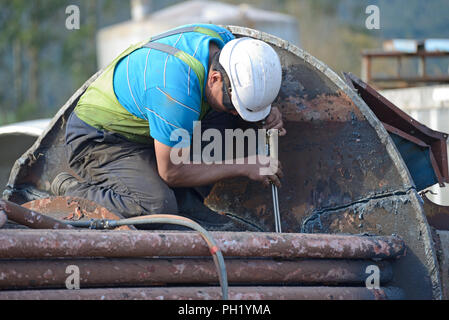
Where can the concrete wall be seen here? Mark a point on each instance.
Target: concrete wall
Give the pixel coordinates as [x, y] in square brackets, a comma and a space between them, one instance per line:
[430, 106]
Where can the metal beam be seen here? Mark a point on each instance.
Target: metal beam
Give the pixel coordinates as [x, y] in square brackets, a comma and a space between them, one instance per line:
[30, 218]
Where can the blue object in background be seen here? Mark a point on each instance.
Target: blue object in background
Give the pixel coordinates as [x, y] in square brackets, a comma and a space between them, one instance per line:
[417, 160]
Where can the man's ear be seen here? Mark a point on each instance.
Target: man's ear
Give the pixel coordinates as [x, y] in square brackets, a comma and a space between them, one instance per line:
[214, 76]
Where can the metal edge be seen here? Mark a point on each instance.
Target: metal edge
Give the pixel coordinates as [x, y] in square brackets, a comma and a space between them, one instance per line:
[430, 253]
[438, 137]
[23, 160]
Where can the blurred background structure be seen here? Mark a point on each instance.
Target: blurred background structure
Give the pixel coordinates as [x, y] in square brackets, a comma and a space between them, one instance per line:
[146, 22]
[414, 74]
[42, 62]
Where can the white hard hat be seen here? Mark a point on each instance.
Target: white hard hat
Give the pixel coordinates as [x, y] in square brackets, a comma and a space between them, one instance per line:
[255, 74]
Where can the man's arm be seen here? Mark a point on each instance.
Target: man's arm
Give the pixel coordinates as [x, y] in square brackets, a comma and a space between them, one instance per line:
[193, 175]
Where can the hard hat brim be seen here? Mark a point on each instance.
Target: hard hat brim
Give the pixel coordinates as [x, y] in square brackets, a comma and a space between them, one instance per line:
[248, 115]
[252, 116]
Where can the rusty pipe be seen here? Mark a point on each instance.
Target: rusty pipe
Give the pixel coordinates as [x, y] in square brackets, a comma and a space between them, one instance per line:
[27, 274]
[90, 243]
[209, 293]
[30, 218]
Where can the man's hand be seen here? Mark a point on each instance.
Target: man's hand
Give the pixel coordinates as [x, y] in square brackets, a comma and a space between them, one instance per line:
[193, 175]
[254, 168]
[274, 121]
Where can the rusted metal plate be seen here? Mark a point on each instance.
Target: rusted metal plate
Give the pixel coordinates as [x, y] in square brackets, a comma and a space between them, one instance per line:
[28, 274]
[72, 208]
[210, 293]
[437, 215]
[15, 244]
[337, 157]
[50, 213]
[402, 124]
[332, 156]
[30, 218]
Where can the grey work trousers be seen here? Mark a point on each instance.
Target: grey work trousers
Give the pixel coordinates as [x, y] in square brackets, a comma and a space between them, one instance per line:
[122, 175]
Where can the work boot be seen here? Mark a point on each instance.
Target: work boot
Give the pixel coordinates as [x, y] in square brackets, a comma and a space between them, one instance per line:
[62, 182]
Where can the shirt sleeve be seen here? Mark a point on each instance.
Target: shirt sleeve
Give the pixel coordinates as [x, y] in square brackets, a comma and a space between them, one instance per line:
[171, 115]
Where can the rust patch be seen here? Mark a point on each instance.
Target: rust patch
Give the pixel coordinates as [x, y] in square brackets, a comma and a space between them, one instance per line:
[72, 208]
[324, 107]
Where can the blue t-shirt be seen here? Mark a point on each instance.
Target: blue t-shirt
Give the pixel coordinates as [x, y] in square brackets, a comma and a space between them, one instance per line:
[161, 88]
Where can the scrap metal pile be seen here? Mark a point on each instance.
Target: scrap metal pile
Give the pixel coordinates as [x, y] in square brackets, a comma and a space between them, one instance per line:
[349, 204]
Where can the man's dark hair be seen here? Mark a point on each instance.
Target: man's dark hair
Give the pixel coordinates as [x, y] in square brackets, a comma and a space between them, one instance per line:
[216, 66]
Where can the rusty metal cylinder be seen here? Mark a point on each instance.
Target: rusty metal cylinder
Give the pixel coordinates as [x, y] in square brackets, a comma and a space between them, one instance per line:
[89, 243]
[27, 274]
[209, 293]
[30, 218]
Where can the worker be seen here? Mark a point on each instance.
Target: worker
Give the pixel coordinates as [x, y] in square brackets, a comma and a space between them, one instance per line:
[119, 137]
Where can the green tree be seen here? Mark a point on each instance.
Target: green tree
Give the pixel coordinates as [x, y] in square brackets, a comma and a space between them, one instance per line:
[26, 31]
[42, 62]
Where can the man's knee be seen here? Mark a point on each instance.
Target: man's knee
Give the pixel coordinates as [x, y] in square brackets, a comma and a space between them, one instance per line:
[129, 205]
[161, 201]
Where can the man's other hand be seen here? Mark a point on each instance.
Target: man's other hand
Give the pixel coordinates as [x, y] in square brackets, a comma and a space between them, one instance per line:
[274, 121]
